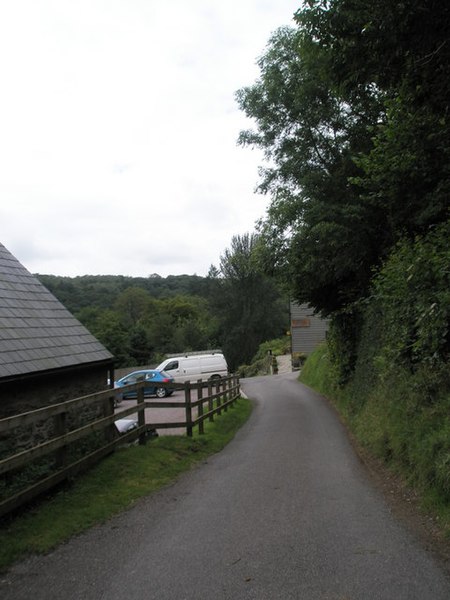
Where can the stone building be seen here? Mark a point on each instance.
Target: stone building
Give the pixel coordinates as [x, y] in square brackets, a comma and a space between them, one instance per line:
[46, 355]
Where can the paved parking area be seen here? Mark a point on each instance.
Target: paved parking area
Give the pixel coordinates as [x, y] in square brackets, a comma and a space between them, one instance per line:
[161, 415]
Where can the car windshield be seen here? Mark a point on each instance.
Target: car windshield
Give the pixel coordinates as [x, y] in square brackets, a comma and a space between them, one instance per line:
[172, 365]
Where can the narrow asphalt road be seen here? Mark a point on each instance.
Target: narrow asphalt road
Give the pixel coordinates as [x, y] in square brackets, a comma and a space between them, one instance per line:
[286, 511]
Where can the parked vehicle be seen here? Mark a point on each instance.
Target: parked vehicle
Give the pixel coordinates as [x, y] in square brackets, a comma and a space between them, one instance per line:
[152, 377]
[125, 425]
[194, 367]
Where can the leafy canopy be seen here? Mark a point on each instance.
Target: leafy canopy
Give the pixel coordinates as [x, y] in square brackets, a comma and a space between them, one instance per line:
[351, 112]
[248, 305]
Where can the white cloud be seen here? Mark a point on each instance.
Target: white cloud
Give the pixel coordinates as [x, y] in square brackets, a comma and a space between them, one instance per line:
[118, 131]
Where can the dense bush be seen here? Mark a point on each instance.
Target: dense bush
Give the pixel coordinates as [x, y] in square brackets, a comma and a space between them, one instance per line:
[262, 361]
[413, 290]
[258, 367]
[276, 347]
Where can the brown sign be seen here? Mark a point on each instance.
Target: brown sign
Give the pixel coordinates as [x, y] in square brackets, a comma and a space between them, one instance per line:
[301, 323]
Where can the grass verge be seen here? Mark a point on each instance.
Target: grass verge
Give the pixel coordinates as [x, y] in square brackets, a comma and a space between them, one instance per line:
[395, 423]
[112, 486]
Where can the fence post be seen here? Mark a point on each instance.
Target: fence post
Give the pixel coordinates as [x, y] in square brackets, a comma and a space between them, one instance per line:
[187, 400]
[219, 410]
[225, 394]
[210, 401]
[201, 428]
[141, 414]
[232, 392]
[237, 383]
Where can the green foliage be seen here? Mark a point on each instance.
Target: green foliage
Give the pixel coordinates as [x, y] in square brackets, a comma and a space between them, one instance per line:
[180, 324]
[17, 481]
[248, 305]
[406, 320]
[406, 174]
[384, 43]
[298, 359]
[351, 109]
[276, 347]
[263, 360]
[256, 368]
[343, 340]
[132, 305]
[404, 428]
[413, 289]
[139, 328]
[393, 419]
[140, 320]
[106, 325]
[316, 229]
[320, 373]
[140, 346]
[102, 291]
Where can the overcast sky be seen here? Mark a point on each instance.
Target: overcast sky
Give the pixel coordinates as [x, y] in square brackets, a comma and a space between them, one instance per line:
[118, 129]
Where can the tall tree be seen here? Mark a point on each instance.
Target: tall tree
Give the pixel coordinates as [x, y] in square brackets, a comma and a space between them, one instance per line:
[132, 305]
[310, 134]
[351, 109]
[247, 303]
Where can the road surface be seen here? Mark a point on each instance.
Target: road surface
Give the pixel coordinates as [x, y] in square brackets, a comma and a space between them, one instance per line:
[285, 512]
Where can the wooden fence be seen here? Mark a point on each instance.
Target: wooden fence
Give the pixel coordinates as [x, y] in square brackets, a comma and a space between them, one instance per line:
[212, 397]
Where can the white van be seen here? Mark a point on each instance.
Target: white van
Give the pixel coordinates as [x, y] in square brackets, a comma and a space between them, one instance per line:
[194, 367]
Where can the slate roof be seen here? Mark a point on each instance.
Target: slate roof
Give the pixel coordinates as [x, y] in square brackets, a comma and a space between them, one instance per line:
[37, 333]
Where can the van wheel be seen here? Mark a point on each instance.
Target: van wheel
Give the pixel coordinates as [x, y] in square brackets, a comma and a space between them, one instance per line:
[215, 377]
[161, 392]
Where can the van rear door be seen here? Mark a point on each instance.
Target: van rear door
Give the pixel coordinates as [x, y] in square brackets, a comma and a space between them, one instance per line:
[214, 366]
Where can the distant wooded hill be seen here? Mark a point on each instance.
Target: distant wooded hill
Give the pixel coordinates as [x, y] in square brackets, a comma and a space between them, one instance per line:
[101, 291]
[140, 319]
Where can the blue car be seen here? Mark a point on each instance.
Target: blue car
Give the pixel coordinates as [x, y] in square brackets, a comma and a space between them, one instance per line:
[152, 378]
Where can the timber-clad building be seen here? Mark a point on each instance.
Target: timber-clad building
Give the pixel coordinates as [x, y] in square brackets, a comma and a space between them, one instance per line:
[308, 330]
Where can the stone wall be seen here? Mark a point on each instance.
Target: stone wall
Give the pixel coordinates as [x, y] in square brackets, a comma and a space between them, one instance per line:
[33, 393]
[23, 395]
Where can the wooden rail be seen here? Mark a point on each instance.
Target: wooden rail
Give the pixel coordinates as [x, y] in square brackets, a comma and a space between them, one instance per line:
[220, 395]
